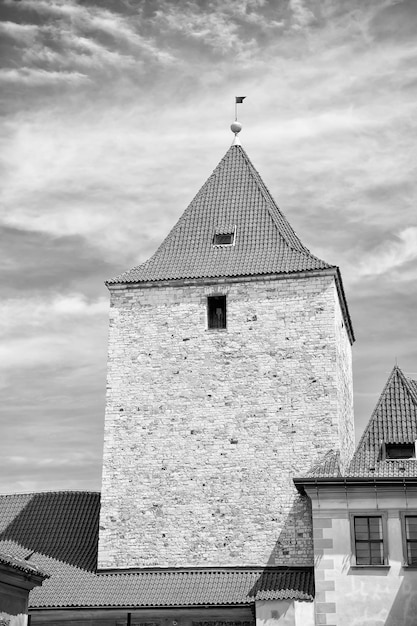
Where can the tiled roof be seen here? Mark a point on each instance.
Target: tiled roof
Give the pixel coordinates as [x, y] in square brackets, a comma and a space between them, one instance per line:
[328, 466]
[394, 420]
[21, 565]
[61, 530]
[233, 200]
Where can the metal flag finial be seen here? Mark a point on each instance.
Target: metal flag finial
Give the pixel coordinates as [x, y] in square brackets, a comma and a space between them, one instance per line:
[236, 127]
[238, 100]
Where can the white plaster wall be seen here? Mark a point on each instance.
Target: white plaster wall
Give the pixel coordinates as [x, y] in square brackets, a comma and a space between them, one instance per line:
[13, 620]
[365, 596]
[284, 613]
[275, 613]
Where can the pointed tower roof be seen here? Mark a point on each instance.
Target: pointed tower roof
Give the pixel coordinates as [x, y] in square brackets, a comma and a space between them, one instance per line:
[394, 421]
[234, 200]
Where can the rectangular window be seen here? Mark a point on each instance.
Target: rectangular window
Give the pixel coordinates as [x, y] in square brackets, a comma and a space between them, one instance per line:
[369, 539]
[409, 536]
[216, 311]
[223, 239]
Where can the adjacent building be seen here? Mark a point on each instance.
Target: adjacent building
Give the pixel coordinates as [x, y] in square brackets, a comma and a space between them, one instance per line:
[17, 579]
[365, 519]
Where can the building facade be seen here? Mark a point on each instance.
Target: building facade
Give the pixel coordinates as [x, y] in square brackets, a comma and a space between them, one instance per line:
[229, 371]
[365, 519]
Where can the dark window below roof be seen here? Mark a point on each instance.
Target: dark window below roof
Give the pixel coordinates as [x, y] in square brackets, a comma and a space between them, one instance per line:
[224, 239]
[216, 311]
[400, 451]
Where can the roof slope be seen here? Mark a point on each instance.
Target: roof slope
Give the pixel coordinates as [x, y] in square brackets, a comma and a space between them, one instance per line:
[59, 532]
[394, 420]
[328, 466]
[234, 199]
[20, 565]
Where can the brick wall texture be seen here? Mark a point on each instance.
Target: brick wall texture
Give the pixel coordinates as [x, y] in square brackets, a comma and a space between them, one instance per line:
[205, 429]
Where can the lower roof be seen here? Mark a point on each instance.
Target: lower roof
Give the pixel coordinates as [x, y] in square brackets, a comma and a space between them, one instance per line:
[58, 531]
[22, 566]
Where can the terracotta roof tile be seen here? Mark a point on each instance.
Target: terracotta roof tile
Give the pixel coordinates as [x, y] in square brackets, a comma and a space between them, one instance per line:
[61, 528]
[393, 421]
[328, 466]
[21, 565]
[234, 199]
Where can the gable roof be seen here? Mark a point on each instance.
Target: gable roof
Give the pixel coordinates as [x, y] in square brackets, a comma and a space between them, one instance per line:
[59, 532]
[233, 200]
[394, 420]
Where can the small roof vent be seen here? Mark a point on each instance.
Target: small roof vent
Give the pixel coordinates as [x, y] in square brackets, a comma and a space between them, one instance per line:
[224, 239]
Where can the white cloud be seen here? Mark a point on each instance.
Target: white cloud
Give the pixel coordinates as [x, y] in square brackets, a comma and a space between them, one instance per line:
[392, 254]
[21, 32]
[34, 77]
[302, 17]
[40, 311]
[90, 20]
[76, 51]
[60, 331]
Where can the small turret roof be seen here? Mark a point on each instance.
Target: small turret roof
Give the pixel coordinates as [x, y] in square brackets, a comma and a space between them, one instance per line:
[394, 421]
[234, 200]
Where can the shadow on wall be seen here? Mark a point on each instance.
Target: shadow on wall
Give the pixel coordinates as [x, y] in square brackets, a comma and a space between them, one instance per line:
[63, 526]
[403, 611]
[294, 545]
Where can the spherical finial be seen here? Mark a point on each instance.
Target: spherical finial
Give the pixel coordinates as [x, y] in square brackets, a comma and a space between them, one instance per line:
[236, 127]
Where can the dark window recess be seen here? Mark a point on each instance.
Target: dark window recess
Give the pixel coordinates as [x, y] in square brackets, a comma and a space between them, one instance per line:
[369, 545]
[399, 451]
[216, 306]
[225, 239]
[411, 539]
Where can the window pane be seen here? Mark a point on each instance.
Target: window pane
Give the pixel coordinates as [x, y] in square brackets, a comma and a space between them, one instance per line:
[412, 554]
[375, 525]
[377, 556]
[375, 535]
[361, 522]
[362, 550]
[411, 527]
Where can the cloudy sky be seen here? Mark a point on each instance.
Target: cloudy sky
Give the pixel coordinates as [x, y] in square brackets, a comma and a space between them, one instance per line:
[115, 112]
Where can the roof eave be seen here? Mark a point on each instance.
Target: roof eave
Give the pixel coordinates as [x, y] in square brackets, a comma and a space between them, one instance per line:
[300, 482]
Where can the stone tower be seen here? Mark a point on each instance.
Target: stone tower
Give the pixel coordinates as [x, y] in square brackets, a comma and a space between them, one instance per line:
[229, 372]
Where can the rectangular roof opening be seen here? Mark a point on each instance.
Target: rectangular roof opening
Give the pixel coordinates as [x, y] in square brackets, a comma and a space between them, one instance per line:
[399, 451]
[223, 239]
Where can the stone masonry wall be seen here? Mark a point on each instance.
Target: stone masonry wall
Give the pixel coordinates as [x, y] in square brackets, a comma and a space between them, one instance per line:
[206, 428]
[344, 378]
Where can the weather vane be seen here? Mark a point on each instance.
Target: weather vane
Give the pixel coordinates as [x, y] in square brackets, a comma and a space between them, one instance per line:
[236, 127]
